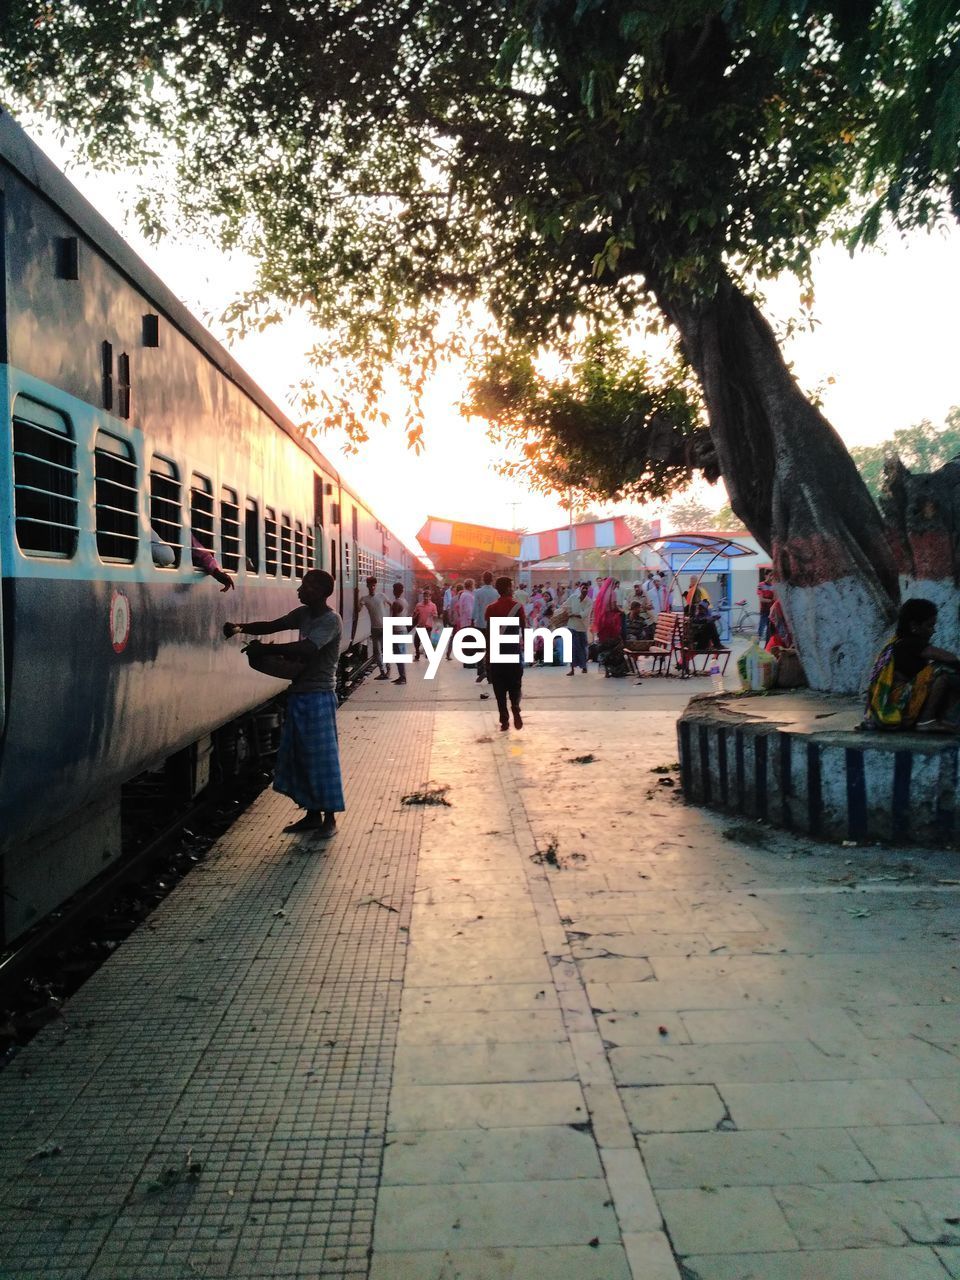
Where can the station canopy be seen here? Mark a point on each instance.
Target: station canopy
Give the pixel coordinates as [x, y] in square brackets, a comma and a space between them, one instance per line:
[468, 549]
[694, 553]
[456, 547]
[713, 544]
[592, 535]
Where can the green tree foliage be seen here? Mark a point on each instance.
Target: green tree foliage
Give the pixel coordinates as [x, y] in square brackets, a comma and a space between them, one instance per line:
[691, 516]
[412, 170]
[922, 447]
[726, 520]
[610, 426]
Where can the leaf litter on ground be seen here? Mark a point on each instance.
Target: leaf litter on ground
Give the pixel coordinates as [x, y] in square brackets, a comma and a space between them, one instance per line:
[428, 795]
[550, 856]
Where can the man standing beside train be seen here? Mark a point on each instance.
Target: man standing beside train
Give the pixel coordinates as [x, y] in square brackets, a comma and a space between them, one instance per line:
[375, 603]
[308, 758]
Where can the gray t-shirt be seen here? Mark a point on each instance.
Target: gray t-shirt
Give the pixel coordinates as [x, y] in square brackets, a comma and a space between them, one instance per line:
[325, 630]
[376, 605]
[482, 597]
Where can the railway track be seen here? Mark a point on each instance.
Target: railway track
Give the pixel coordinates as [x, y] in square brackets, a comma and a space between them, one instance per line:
[43, 967]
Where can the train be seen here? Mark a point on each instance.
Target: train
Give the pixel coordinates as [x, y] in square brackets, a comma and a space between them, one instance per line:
[127, 427]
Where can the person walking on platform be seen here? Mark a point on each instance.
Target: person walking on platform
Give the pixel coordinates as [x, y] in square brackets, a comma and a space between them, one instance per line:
[507, 677]
[399, 609]
[308, 758]
[463, 606]
[484, 595]
[375, 603]
[578, 610]
[424, 615]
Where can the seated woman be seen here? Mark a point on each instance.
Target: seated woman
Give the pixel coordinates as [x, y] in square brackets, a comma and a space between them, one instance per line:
[778, 630]
[913, 684]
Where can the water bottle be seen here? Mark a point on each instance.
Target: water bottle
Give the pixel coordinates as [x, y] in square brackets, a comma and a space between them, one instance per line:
[716, 679]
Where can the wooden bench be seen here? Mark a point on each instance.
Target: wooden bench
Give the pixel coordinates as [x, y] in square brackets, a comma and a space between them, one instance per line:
[667, 644]
[672, 649]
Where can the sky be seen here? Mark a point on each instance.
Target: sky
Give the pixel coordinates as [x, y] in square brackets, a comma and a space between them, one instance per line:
[883, 354]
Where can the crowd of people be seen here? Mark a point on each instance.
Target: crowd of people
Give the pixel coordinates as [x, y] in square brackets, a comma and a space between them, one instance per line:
[913, 685]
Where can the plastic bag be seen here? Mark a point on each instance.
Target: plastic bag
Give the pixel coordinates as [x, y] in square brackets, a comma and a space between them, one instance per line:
[757, 668]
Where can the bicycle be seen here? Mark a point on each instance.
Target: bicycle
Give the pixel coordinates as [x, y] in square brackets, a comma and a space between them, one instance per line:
[746, 622]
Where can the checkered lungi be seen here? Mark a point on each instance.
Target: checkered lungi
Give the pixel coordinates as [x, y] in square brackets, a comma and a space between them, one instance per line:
[308, 758]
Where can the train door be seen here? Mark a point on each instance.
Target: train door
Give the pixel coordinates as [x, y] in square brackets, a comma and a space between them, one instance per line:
[335, 540]
[321, 551]
[351, 572]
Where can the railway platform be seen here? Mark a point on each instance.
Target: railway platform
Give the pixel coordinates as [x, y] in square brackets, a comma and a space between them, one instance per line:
[560, 1027]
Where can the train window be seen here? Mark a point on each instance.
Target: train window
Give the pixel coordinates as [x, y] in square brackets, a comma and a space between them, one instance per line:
[298, 549]
[311, 550]
[166, 507]
[123, 386]
[346, 559]
[252, 530]
[286, 547]
[270, 540]
[67, 252]
[229, 529]
[333, 558]
[201, 511]
[44, 480]
[116, 498]
[150, 332]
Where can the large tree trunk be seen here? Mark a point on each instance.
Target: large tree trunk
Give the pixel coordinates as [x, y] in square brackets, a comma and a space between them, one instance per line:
[796, 488]
[922, 513]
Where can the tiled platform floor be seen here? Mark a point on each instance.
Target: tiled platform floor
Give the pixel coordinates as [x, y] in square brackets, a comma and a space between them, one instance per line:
[563, 1029]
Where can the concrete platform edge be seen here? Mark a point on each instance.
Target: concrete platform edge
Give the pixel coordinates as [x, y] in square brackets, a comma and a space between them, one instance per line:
[834, 785]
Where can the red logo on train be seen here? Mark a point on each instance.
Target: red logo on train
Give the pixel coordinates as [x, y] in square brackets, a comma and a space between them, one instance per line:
[119, 621]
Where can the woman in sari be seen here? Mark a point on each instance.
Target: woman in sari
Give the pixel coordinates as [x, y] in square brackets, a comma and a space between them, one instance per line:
[913, 684]
[778, 630]
[608, 627]
[535, 607]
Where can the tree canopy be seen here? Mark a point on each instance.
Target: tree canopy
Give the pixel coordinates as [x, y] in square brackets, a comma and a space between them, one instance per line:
[407, 169]
[495, 178]
[922, 447]
[691, 515]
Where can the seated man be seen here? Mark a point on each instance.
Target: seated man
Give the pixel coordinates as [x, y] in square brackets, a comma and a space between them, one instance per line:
[703, 626]
[913, 684]
[638, 627]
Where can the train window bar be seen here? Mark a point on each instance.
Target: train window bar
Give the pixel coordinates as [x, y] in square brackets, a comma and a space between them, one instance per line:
[201, 511]
[270, 540]
[298, 546]
[166, 513]
[116, 499]
[123, 386]
[44, 481]
[229, 529]
[106, 373]
[286, 539]
[252, 536]
[311, 549]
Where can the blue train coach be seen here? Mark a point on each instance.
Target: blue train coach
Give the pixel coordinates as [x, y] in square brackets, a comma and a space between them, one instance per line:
[126, 426]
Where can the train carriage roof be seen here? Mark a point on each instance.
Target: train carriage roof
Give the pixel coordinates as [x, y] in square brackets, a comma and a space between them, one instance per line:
[26, 158]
